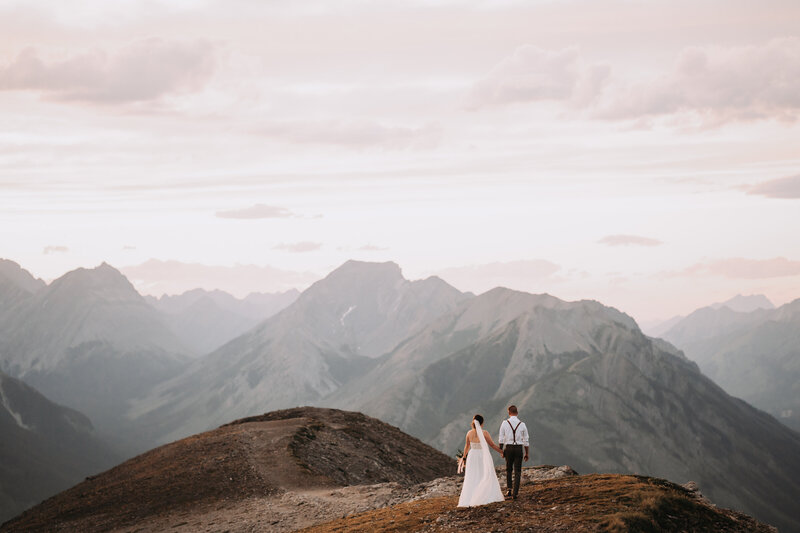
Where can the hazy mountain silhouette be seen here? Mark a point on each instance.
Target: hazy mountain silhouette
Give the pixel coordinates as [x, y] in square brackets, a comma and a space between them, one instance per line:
[205, 320]
[89, 341]
[752, 355]
[329, 335]
[44, 447]
[745, 304]
[16, 286]
[739, 303]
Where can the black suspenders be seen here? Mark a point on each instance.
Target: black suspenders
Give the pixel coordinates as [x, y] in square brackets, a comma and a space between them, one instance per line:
[513, 430]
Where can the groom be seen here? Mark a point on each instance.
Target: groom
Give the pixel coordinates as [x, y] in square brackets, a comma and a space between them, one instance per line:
[513, 438]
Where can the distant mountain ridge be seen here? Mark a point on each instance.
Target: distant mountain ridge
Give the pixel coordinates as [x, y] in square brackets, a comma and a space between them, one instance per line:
[739, 303]
[205, 320]
[745, 304]
[90, 341]
[11, 274]
[754, 355]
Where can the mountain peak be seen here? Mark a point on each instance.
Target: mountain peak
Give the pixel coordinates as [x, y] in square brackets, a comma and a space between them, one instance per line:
[18, 276]
[745, 304]
[352, 266]
[358, 277]
[103, 276]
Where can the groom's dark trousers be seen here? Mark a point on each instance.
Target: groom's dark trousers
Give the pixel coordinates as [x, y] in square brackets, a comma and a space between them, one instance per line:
[513, 454]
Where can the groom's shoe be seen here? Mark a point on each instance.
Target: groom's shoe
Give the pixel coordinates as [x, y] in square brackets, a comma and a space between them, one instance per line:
[508, 493]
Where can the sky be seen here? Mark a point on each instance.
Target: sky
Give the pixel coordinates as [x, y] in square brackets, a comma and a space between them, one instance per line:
[643, 153]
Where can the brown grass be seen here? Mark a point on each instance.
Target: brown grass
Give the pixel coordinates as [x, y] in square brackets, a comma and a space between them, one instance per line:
[598, 502]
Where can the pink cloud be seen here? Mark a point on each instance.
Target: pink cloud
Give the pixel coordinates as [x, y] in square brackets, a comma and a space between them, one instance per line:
[720, 84]
[257, 211]
[142, 71]
[741, 268]
[533, 74]
[298, 247]
[354, 133]
[788, 187]
[55, 250]
[629, 240]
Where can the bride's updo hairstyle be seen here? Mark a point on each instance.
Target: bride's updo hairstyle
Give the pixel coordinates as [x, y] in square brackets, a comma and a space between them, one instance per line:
[479, 418]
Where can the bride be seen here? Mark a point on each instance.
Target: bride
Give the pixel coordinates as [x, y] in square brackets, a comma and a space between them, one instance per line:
[480, 480]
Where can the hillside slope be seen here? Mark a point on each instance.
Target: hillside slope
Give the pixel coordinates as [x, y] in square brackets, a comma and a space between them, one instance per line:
[302, 449]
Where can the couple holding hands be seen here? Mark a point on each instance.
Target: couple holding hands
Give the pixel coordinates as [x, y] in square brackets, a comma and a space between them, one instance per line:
[480, 480]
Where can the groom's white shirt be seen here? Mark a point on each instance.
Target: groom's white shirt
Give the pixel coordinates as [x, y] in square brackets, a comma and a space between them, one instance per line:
[507, 436]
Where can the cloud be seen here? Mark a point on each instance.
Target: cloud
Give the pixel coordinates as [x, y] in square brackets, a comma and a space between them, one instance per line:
[144, 70]
[740, 268]
[298, 247]
[788, 187]
[354, 133]
[713, 83]
[55, 250]
[372, 248]
[629, 240]
[534, 74]
[720, 84]
[523, 275]
[257, 211]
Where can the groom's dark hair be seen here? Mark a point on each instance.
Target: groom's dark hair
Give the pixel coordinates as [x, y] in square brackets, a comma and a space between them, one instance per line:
[512, 409]
[479, 418]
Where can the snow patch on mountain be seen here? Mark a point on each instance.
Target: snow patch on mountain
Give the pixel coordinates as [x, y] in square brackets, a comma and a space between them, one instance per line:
[15, 415]
[349, 310]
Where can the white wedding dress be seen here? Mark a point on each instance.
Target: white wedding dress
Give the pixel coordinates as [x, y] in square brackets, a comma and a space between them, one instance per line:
[480, 480]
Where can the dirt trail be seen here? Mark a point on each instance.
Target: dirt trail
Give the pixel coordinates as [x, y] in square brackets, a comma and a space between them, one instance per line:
[297, 509]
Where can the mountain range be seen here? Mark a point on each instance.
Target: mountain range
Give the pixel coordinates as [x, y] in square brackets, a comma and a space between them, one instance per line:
[335, 331]
[597, 393]
[88, 340]
[753, 352]
[205, 320]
